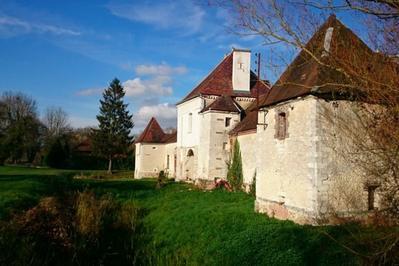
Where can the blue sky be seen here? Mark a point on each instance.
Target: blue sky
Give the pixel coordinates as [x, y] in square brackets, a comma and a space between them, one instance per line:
[64, 53]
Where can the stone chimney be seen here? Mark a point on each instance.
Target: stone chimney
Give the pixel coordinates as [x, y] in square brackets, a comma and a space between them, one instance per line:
[241, 70]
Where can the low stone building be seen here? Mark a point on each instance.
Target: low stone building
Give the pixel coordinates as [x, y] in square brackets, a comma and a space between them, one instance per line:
[288, 147]
[155, 151]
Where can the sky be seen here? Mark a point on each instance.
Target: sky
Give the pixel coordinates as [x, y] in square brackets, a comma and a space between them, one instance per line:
[64, 53]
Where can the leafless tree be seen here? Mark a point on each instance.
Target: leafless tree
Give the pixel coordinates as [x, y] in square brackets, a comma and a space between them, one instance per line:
[18, 105]
[56, 121]
[370, 76]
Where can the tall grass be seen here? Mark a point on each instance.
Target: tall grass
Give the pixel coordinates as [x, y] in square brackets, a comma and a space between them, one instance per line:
[80, 229]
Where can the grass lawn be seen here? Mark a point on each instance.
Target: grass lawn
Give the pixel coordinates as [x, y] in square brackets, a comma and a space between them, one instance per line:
[190, 226]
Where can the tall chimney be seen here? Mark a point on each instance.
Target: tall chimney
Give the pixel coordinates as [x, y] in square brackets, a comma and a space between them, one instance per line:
[241, 70]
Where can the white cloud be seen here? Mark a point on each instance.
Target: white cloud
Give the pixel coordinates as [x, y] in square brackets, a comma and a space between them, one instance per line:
[159, 85]
[162, 69]
[180, 14]
[165, 113]
[90, 92]
[157, 81]
[11, 26]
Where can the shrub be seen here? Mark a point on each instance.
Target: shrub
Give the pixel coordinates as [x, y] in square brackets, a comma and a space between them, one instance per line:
[234, 174]
[252, 186]
[57, 153]
[80, 229]
[162, 177]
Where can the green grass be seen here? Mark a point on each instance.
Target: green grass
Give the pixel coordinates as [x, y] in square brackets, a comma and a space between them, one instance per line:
[190, 226]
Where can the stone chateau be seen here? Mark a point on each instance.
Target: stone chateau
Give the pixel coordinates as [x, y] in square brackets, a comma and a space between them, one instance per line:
[285, 144]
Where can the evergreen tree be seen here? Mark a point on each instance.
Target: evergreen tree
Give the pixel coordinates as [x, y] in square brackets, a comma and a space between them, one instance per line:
[115, 123]
[234, 174]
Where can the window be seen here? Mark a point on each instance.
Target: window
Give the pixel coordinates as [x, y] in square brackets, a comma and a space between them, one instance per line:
[190, 153]
[167, 162]
[175, 164]
[225, 146]
[281, 126]
[190, 122]
[227, 121]
[370, 196]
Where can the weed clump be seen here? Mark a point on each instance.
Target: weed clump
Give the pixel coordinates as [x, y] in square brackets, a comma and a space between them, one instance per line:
[81, 228]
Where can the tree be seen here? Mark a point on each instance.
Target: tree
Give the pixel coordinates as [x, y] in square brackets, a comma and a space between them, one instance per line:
[372, 143]
[57, 151]
[56, 121]
[3, 153]
[20, 126]
[234, 174]
[113, 138]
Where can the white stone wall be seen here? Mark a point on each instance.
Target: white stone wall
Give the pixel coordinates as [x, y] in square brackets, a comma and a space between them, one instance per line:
[215, 144]
[287, 169]
[341, 182]
[171, 153]
[185, 136]
[308, 176]
[248, 156]
[150, 159]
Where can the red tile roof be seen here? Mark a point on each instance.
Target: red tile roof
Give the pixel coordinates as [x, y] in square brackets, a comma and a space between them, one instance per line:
[219, 82]
[153, 133]
[249, 123]
[306, 76]
[224, 103]
[170, 138]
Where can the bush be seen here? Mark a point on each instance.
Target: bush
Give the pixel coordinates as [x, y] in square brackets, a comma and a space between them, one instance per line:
[57, 153]
[80, 229]
[252, 187]
[161, 180]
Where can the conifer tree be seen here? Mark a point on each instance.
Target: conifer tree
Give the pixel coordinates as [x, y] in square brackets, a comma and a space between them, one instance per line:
[115, 123]
[234, 174]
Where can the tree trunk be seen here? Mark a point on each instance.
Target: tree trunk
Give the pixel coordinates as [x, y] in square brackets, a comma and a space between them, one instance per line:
[110, 166]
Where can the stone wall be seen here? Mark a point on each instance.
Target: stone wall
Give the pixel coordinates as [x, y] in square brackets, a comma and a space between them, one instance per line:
[341, 183]
[248, 146]
[150, 159]
[287, 168]
[307, 176]
[215, 144]
[170, 163]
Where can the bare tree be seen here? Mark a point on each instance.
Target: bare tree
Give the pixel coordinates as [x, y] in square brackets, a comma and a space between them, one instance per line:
[56, 121]
[18, 105]
[369, 76]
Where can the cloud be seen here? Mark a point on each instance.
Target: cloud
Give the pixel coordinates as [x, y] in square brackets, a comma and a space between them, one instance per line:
[165, 113]
[90, 92]
[11, 26]
[152, 81]
[181, 14]
[162, 69]
[159, 85]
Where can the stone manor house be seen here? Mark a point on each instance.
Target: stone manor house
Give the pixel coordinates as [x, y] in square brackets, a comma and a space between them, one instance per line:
[282, 138]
